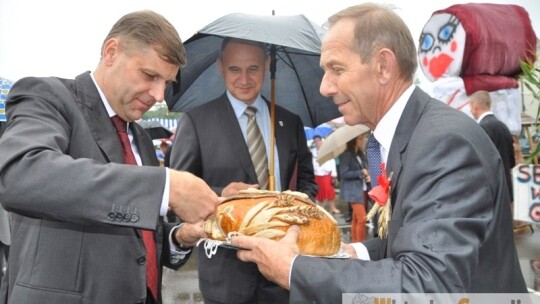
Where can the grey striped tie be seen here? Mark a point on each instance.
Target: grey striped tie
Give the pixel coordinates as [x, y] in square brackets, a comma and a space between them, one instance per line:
[256, 147]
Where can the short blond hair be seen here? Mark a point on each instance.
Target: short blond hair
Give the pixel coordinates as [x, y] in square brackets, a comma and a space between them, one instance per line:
[480, 99]
[148, 28]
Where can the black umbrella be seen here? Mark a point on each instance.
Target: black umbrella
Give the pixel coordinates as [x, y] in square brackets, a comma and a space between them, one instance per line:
[155, 129]
[294, 43]
[295, 74]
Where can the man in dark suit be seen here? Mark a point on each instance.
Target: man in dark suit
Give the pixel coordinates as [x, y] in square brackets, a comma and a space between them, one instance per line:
[210, 142]
[450, 229]
[87, 214]
[480, 103]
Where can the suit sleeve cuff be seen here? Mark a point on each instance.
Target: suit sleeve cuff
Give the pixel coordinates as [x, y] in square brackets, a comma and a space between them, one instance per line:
[290, 270]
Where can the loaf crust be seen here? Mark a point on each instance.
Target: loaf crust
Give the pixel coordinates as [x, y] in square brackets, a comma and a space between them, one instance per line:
[269, 214]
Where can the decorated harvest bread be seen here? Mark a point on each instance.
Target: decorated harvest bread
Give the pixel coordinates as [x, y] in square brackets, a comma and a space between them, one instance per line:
[269, 214]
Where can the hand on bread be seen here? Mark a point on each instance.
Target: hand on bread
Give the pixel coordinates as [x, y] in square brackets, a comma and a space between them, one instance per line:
[190, 198]
[235, 187]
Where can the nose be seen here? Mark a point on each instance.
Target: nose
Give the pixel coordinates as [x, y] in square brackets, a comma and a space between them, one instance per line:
[243, 78]
[157, 90]
[327, 87]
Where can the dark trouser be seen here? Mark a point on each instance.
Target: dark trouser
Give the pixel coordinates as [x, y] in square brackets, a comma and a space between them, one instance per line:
[225, 279]
[150, 298]
[267, 293]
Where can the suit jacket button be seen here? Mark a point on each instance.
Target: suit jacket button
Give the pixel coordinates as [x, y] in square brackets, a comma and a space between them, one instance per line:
[119, 216]
[141, 260]
[134, 218]
[127, 217]
[112, 216]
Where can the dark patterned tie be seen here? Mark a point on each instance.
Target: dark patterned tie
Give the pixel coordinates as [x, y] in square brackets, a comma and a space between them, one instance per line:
[256, 147]
[147, 235]
[374, 159]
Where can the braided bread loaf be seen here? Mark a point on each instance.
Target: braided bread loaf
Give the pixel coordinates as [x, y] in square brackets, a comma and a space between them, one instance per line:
[269, 214]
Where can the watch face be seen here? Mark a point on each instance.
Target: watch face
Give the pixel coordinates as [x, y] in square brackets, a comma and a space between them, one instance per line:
[441, 46]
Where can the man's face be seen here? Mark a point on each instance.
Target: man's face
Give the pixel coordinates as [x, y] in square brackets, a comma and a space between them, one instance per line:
[243, 68]
[351, 84]
[318, 142]
[135, 80]
[474, 110]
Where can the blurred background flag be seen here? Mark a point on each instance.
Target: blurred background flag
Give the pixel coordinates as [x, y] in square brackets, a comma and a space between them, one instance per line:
[5, 85]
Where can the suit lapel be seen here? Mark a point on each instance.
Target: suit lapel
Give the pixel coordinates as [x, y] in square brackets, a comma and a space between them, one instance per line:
[97, 118]
[144, 145]
[398, 150]
[406, 126]
[281, 134]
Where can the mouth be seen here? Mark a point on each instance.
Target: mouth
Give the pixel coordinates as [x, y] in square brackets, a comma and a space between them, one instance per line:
[244, 89]
[340, 105]
[147, 104]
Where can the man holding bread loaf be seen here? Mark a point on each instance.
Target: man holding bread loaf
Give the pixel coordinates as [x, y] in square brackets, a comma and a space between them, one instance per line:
[450, 229]
[82, 183]
[211, 142]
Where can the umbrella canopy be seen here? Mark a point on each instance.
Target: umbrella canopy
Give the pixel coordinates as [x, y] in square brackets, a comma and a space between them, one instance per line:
[155, 129]
[336, 142]
[294, 44]
[321, 130]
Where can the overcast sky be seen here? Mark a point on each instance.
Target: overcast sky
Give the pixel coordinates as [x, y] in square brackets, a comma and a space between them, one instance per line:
[63, 37]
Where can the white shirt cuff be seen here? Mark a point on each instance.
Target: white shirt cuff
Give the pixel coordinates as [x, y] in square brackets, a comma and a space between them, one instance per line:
[290, 270]
[361, 251]
[165, 198]
[177, 254]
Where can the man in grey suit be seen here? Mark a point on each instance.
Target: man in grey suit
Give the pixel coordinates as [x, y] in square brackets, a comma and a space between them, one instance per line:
[87, 215]
[450, 230]
[210, 142]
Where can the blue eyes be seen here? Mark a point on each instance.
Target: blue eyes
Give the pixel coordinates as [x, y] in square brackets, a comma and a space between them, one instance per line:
[445, 35]
[447, 32]
[426, 42]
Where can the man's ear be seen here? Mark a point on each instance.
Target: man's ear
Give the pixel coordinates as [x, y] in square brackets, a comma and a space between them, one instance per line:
[111, 49]
[386, 65]
[219, 65]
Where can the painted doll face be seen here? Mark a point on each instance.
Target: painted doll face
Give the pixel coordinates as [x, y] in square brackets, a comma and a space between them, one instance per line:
[442, 43]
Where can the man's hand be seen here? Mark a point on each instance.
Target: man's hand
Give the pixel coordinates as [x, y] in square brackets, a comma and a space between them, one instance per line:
[349, 249]
[366, 175]
[190, 198]
[273, 258]
[235, 187]
[189, 234]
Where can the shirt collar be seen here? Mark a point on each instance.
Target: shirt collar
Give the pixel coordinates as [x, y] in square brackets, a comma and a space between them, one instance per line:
[104, 100]
[386, 128]
[484, 115]
[239, 106]
[110, 110]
